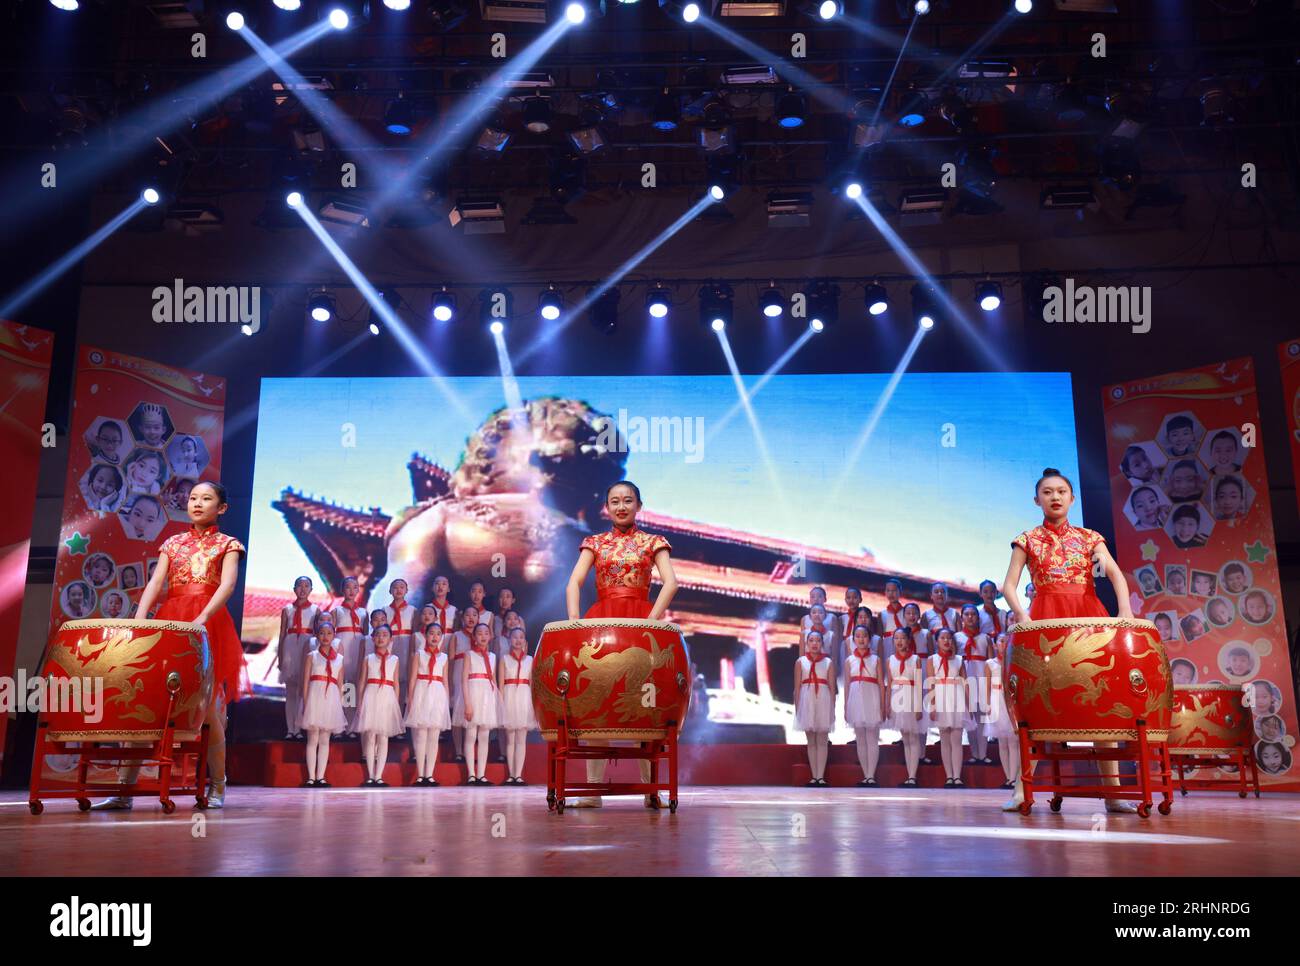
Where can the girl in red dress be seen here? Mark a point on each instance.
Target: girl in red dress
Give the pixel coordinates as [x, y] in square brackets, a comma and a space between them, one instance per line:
[1060, 559]
[197, 571]
[623, 557]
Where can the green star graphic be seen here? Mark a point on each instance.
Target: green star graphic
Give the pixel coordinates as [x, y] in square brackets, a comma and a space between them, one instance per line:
[1149, 550]
[1256, 552]
[76, 543]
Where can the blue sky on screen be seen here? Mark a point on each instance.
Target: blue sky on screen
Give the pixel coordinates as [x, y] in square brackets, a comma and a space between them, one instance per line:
[916, 504]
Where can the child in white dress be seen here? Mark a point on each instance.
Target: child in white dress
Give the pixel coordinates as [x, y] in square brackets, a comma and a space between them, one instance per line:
[379, 714]
[947, 700]
[322, 701]
[297, 621]
[863, 700]
[974, 648]
[401, 619]
[427, 712]
[515, 673]
[457, 645]
[905, 701]
[1001, 720]
[477, 708]
[814, 689]
[351, 628]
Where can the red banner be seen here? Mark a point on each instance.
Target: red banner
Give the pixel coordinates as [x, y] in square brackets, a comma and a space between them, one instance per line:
[1288, 354]
[1194, 535]
[25, 355]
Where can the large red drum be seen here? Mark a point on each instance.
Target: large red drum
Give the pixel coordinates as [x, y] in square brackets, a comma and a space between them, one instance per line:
[138, 664]
[1090, 679]
[1209, 718]
[616, 677]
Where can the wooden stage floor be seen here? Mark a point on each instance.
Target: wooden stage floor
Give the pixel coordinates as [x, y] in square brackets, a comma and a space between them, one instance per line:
[728, 831]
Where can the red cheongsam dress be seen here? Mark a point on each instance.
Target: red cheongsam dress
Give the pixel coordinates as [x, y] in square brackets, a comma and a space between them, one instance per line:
[1060, 566]
[194, 562]
[623, 565]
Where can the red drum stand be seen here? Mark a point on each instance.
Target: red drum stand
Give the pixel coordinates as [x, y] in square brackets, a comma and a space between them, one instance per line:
[565, 748]
[1242, 758]
[1143, 753]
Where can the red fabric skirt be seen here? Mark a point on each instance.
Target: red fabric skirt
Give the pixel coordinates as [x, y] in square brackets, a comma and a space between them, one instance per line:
[620, 602]
[228, 666]
[1056, 601]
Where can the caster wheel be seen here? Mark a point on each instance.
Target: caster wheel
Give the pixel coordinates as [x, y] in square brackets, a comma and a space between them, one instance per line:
[1024, 808]
[1241, 794]
[1183, 792]
[1257, 794]
[1144, 810]
[36, 807]
[201, 801]
[672, 806]
[559, 806]
[1164, 808]
[168, 806]
[1055, 804]
[83, 804]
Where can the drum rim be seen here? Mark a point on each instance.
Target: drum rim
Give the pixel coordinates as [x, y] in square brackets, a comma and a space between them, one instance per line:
[87, 624]
[1065, 623]
[594, 622]
[1237, 688]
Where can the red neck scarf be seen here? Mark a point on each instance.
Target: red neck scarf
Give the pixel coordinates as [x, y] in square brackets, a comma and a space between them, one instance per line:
[812, 678]
[298, 607]
[943, 615]
[993, 613]
[943, 665]
[397, 616]
[442, 614]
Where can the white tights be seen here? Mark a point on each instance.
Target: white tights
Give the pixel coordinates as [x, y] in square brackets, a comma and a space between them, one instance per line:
[476, 749]
[515, 741]
[1009, 755]
[426, 750]
[868, 749]
[318, 752]
[817, 748]
[979, 743]
[376, 752]
[912, 741]
[950, 747]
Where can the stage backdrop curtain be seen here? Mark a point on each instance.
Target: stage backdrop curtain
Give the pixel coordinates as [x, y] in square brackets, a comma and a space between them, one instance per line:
[1216, 398]
[25, 355]
[115, 512]
[1288, 354]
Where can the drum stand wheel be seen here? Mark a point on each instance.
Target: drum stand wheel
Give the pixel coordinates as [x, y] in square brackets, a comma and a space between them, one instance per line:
[83, 804]
[1164, 808]
[1144, 810]
[672, 806]
[168, 806]
[559, 806]
[36, 807]
[1055, 803]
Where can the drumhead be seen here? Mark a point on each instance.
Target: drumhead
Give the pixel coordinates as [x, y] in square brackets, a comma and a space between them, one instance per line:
[595, 622]
[182, 627]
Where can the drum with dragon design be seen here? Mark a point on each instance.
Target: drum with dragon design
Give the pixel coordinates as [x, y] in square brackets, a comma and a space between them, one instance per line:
[1209, 718]
[615, 678]
[126, 669]
[1090, 679]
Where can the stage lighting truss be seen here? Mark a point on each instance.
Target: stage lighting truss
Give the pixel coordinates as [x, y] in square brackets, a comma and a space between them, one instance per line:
[603, 311]
[716, 305]
[550, 304]
[877, 299]
[442, 305]
[658, 301]
[320, 305]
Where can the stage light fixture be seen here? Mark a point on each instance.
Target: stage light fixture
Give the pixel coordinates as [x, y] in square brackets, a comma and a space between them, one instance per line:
[989, 295]
[817, 325]
[235, 20]
[496, 326]
[691, 12]
[716, 305]
[293, 199]
[1024, 6]
[550, 303]
[853, 190]
[399, 116]
[657, 301]
[342, 14]
[447, 14]
[877, 299]
[150, 196]
[666, 112]
[442, 306]
[717, 192]
[772, 302]
[790, 109]
[64, 4]
[923, 310]
[320, 305]
[822, 9]
[603, 313]
[398, 4]
[575, 13]
[537, 114]
[289, 5]
[374, 326]
[246, 329]
[921, 7]
[823, 303]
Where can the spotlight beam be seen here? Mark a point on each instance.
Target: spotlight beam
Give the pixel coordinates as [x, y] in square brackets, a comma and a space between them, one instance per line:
[342, 128]
[760, 441]
[116, 144]
[470, 111]
[877, 412]
[509, 384]
[884, 94]
[391, 319]
[762, 381]
[567, 318]
[24, 295]
[789, 73]
[978, 47]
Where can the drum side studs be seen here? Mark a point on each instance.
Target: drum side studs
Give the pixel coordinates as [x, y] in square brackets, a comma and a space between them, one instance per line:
[562, 682]
[1137, 682]
[173, 682]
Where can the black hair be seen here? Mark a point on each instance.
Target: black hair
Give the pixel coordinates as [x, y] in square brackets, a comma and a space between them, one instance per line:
[1181, 463]
[104, 466]
[989, 582]
[1133, 499]
[912, 603]
[1179, 422]
[1187, 511]
[1233, 567]
[1234, 481]
[303, 577]
[895, 581]
[1048, 473]
[218, 488]
[1123, 464]
[968, 606]
[1223, 434]
[636, 490]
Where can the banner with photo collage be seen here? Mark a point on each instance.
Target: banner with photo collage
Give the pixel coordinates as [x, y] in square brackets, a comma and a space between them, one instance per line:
[25, 355]
[142, 435]
[1288, 354]
[1194, 537]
